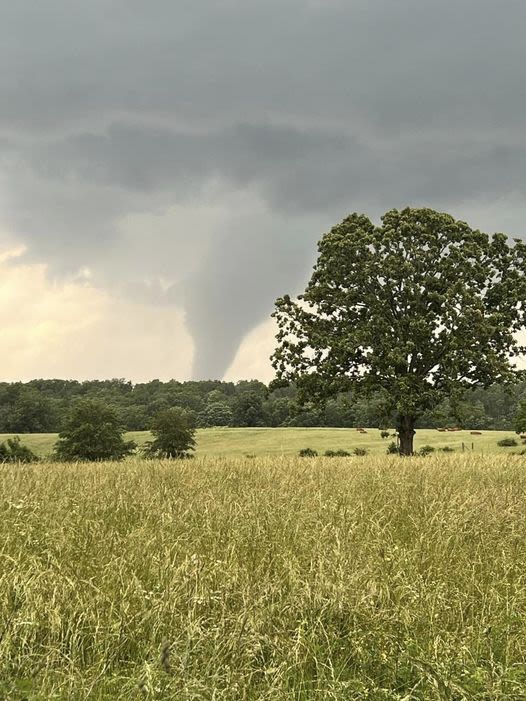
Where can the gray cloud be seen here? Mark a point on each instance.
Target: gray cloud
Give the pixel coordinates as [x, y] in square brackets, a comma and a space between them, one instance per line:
[234, 133]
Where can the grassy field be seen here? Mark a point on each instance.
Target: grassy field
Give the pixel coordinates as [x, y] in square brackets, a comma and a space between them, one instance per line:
[273, 578]
[241, 442]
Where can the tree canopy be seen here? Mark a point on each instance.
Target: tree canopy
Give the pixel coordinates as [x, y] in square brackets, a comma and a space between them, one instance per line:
[415, 309]
[137, 404]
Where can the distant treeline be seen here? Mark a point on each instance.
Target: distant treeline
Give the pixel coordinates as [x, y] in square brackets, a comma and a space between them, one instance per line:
[41, 406]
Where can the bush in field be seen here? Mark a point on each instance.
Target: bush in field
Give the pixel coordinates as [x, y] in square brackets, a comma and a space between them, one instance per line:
[384, 434]
[12, 450]
[392, 449]
[360, 451]
[307, 453]
[173, 430]
[447, 449]
[92, 432]
[337, 453]
[426, 450]
[507, 442]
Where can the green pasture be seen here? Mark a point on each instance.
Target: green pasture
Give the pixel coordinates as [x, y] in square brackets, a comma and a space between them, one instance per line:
[288, 441]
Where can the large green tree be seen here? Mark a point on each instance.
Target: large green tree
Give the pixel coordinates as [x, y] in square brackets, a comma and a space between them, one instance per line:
[173, 434]
[417, 308]
[92, 432]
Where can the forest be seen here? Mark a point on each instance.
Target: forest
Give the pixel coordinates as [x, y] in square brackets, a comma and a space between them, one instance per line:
[42, 406]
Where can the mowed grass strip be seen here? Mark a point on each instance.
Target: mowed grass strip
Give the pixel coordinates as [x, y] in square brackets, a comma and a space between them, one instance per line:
[269, 578]
[241, 442]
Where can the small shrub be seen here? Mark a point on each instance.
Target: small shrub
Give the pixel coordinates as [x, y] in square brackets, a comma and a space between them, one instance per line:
[447, 449]
[12, 450]
[360, 451]
[337, 454]
[507, 442]
[392, 449]
[308, 453]
[384, 434]
[426, 450]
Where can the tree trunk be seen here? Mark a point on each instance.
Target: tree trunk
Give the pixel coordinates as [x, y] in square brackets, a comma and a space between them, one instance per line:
[406, 432]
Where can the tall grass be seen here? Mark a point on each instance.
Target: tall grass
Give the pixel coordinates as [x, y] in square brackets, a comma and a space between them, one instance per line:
[360, 578]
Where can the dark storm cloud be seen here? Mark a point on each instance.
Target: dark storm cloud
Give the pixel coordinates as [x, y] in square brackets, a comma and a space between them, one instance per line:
[114, 109]
[306, 169]
[221, 61]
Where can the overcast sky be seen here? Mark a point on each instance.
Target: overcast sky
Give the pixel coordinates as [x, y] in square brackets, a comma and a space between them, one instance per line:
[166, 167]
